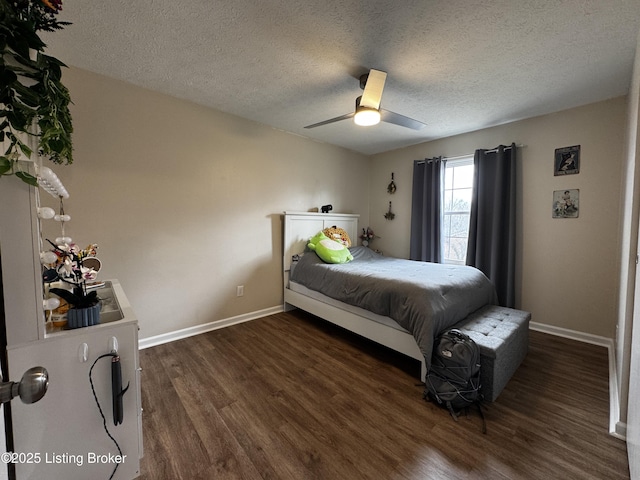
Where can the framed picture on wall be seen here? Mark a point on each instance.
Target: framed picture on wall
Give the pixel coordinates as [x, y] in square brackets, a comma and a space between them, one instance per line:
[567, 161]
[566, 203]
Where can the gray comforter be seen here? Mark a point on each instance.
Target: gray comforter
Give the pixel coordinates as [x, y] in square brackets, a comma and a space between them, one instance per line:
[424, 298]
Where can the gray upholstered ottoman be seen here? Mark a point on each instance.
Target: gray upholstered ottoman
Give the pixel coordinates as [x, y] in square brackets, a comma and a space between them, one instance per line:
[503, 337]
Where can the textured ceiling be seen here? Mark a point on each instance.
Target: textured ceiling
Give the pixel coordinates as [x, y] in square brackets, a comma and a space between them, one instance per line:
[456, 65]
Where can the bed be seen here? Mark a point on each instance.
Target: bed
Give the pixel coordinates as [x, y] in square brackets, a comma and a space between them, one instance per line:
[396, 322]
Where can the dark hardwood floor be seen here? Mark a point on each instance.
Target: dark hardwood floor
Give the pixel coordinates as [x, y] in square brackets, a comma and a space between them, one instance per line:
[292, 397]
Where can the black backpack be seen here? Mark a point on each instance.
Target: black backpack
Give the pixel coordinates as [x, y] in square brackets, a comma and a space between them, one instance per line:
[453, 381]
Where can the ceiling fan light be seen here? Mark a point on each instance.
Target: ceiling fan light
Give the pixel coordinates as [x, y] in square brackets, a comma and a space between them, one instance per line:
[365, 116]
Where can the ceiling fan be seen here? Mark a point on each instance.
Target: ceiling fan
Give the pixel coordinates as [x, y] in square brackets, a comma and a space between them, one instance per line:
[368, 111]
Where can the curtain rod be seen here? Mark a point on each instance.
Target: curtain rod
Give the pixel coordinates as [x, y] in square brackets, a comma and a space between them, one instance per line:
[458, 157]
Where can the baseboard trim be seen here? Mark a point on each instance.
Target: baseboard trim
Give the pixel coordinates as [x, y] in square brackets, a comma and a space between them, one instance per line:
[617, 428]
[572, 334]
[207, 327]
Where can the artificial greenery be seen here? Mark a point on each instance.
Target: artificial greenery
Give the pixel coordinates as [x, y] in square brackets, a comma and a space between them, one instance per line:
[34, 100]
[69, 268]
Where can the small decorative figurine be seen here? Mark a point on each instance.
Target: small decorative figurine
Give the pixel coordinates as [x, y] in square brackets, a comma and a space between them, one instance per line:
[367, 236]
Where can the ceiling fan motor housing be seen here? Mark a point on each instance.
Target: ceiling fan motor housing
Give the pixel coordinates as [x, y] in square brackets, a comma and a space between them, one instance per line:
[363, 80]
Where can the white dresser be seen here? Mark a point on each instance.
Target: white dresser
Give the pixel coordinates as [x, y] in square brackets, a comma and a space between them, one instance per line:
[62, 436]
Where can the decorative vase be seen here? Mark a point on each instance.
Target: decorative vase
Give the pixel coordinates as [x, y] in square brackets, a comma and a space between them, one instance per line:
[83, 317]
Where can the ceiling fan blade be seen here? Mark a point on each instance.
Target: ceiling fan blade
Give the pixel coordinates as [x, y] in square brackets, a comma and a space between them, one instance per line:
[397, 119]
[331, 120]
[373, 89]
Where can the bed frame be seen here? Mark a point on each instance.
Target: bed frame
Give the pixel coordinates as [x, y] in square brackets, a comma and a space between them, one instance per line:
[299, 227]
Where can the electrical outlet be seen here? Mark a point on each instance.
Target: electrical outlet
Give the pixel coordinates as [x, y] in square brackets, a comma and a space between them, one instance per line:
[240, 290]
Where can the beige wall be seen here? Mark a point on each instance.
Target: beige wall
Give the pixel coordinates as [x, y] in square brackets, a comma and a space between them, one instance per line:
[567, 269]
[184, 201]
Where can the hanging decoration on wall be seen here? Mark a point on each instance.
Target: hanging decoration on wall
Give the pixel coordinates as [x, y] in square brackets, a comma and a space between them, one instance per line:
[389, 215]
[391, 188]
[567, 161]
[566, 203]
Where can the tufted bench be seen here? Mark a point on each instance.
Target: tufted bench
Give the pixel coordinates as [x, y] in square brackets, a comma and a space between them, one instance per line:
[503, 337]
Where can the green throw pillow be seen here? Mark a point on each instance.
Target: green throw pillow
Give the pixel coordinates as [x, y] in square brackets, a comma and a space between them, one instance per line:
[329, 250]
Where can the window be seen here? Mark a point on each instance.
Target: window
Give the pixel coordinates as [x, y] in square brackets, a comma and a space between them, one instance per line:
[458, 186]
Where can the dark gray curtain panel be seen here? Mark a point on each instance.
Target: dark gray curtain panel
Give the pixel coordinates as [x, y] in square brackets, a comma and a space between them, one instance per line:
[426, 208]
[492, 228]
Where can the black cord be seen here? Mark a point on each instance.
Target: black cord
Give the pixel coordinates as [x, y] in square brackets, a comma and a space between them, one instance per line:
[104, 419]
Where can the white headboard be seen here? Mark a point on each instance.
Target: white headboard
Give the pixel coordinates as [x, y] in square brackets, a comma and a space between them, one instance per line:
[299, 227]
